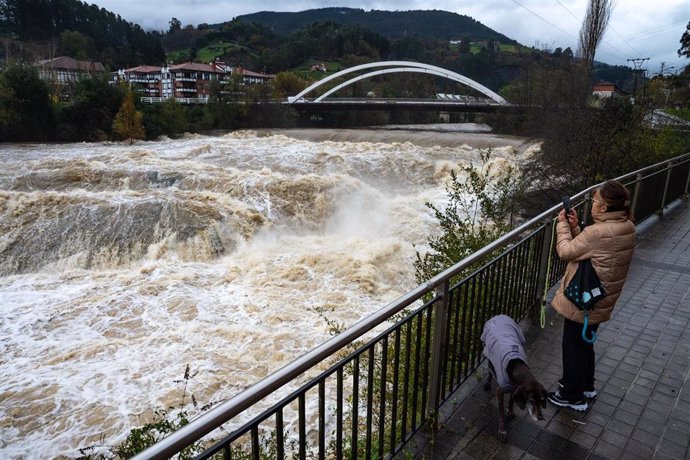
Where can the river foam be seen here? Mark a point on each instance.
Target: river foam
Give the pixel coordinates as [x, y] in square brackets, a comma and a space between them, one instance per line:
[122, 264]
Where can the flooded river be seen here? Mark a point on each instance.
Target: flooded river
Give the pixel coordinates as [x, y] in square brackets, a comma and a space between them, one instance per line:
[121, 264]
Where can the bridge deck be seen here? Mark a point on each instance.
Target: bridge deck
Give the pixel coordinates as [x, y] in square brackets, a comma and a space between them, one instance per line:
[643, 357]
[435, 105]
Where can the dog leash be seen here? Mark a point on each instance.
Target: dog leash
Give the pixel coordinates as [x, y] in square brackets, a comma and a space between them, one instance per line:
[584, 330]
[542, 312]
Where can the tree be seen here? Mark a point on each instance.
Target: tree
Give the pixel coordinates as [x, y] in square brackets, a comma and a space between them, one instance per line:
[6, 112]
[128, 121]
[586, 145]
[5, 18]
[175, 25]
[227, 107]
[26, 110]
[592, 32]
[76, 45]
[287, 84]
[479, 210]
[684, 49]
[465, 45]
[168, 118]
[90, 112]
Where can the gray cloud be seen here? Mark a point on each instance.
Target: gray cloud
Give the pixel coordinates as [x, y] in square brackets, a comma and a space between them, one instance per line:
[639, 28]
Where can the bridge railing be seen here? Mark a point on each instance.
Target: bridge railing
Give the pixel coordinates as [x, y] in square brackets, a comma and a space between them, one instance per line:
[374, 100]
[380, 390]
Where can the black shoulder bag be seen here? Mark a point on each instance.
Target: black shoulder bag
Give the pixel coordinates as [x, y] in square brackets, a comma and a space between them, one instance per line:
[584, 290]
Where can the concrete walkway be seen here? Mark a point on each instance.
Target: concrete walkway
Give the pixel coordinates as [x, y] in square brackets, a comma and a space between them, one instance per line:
[643, 356]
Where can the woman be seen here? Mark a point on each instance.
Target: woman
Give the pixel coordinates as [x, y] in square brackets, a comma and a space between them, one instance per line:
[609, 244]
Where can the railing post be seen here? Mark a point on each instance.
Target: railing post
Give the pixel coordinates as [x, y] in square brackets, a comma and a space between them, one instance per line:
[545, 251]
[687, 185]
[586, 209]
[437, 348]
[668, 180]
[636, 194]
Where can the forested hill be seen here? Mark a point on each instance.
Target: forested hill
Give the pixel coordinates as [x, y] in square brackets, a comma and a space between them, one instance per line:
[80, 30]
[391, 24]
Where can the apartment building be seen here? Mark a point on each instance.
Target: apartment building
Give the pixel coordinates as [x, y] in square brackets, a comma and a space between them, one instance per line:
[63, 71]
[189, 82]
[146, 80]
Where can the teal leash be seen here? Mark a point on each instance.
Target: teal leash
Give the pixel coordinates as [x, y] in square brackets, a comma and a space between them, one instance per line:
[542, 312]
[584, 330]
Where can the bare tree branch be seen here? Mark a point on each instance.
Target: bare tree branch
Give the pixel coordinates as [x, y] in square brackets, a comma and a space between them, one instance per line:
[593, 30]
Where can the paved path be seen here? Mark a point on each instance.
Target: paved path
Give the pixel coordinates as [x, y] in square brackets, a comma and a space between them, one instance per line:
[643, 357]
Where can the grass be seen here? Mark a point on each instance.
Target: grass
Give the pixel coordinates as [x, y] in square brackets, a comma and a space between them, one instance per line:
[306, 74]
[681, 113]
[475, 48]
[208, 53]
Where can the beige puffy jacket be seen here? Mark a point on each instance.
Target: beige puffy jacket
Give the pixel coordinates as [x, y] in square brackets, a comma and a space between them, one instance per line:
[609, 243]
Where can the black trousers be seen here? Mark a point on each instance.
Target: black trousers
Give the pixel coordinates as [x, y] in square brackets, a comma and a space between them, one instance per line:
[578, 361]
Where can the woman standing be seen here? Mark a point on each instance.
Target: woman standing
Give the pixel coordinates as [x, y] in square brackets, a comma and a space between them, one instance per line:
[609, 244]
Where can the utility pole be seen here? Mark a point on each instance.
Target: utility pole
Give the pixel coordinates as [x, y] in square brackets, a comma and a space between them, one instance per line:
[637, 67]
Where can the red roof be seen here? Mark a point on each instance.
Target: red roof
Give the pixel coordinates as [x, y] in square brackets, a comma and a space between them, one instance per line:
[69, 63]
[144, 69]
[604, 84]
[195, 66]
[249, 73]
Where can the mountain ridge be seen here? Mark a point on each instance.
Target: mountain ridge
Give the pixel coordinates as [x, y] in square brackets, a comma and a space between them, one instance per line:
[391, 24]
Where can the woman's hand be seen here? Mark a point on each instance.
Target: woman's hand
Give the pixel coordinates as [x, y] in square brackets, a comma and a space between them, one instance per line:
[571, 218]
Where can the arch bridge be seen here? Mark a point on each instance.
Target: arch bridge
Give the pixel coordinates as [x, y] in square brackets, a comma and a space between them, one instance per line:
[449, 102]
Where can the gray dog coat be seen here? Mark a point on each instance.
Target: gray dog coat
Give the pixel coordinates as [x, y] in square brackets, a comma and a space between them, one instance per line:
[503, 341]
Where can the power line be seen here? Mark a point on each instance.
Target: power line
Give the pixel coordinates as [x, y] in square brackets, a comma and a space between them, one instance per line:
[637, 68]
[624, 40]
[654, 32]
[612, 55]
[637, 62]
[549, 23]
[679, 65]
[622, 54]
[605, 42]
[569, 12]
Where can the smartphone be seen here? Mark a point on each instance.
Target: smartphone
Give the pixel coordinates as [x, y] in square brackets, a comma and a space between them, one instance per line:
[566, 205]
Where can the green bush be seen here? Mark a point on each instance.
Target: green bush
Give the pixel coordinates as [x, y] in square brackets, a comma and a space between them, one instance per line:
[480, 209]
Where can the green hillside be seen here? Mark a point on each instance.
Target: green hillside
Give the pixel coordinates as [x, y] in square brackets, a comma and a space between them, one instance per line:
[391, 24]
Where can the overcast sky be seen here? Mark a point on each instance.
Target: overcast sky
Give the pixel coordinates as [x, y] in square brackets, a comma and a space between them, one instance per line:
[638, 29]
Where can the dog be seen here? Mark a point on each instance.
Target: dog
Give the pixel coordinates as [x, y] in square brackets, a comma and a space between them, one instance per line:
[504, 349]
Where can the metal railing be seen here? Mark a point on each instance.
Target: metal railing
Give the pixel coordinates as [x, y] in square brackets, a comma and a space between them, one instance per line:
[371, 402]
[179, 100]
[401, 101]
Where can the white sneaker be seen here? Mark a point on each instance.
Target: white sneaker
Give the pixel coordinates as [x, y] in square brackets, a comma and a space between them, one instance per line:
[587, 394]
[556, 399]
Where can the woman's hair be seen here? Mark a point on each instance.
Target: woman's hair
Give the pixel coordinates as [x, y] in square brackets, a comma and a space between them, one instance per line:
[616, 197]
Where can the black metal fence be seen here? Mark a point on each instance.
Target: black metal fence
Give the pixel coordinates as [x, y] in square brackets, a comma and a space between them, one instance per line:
[370, 402]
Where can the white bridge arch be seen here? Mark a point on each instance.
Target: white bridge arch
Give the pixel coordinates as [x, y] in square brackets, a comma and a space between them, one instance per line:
[399, 66]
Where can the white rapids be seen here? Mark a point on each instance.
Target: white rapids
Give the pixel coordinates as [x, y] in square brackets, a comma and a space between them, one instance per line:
[120, 265]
